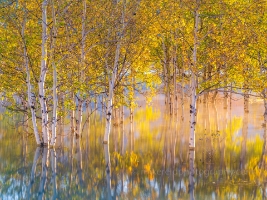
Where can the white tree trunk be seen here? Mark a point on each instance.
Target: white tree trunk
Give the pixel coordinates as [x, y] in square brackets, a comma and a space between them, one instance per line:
[193, 106]
[194, 84]
[28, 81]
[244, 141]
[108, 113]
[41, 83]
[122, 130]
[79, 118]
[55, 99]
[72, 121]
[80, 100]
[112, 78]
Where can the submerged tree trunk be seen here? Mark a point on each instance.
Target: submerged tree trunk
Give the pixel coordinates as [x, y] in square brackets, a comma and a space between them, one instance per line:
[41, 83]
[244, 142]
[131, 130]
[79, 97]
[109, 112]
[194, 83]
[72, 120]
[193, 102]
[111, 79]
[246, 101]
[225, 99]
[79, 161]
[28, 81]
[122, 131]
[166, 70]
[79, 118]
[55, 98]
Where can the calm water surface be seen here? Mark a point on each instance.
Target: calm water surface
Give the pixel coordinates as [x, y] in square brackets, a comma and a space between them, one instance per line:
[149, 160]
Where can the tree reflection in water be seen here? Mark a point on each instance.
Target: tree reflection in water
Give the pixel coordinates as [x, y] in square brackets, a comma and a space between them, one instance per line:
[154, 164]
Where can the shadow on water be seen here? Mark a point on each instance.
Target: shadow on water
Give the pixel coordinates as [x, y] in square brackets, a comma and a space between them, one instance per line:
[147, 158]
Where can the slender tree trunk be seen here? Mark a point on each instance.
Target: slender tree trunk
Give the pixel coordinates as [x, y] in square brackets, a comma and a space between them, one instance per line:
[131, 130]
[175, 93]
[194, 83]
[55, 98]
[89, 111]
[225, 99]
[182, 95]
[28, 81]
[108, 113]
[230, 98]
[193, 102]
[246, 100]
[80, 99]
[42, 98]
[167, 80]
[112, 79]
[122, 130]
[244, 142]
[79, 117]
[72, 120]
[222, 145]
[80, 163]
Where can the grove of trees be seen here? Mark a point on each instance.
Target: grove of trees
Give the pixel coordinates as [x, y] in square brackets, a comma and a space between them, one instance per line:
[60, 57]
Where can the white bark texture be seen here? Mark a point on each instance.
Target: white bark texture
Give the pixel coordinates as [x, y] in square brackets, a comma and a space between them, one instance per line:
[29, 89]
[55, 98]
[80, 100]
[193, 107]
[41, 83]
[112, 78]
[194, 83]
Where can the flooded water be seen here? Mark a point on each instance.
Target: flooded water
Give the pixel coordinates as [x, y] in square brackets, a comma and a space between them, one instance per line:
[148, 159]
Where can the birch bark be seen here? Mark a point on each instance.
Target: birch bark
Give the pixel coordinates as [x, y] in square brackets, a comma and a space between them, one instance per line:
[193, 104]
[80, 100]
[55, 99]
[28, 81]
[194, 82]
[112, 79]
[41, 83]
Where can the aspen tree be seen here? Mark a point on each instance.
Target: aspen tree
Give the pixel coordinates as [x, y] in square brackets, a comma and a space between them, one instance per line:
[42, 97]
